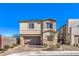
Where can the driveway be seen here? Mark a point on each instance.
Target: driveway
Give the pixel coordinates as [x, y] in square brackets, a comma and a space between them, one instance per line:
[37, 48]
[27, 48]
[20, 49]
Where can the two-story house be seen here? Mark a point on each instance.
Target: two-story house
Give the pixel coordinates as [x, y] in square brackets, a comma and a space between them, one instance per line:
[62, 34]
[70, 32]
[36, 32]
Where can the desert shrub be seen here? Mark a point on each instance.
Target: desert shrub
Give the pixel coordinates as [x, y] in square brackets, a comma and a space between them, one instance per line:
[75, 45]
[14, 45]
[11, 46]
[1, 49]
[45, 45]
[58, 45]
[6, 47]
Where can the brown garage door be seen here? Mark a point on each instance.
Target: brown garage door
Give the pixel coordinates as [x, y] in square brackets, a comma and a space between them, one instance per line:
[34, 40]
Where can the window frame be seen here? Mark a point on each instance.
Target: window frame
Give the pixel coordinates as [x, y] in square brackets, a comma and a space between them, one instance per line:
[49, 25]
[31, 25]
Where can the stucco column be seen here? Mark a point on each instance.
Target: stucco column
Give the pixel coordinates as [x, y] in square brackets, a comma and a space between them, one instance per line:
[41, 33]
[22, 40]
[41, 40]
[72, 36]
[55, 38]
[72, 39]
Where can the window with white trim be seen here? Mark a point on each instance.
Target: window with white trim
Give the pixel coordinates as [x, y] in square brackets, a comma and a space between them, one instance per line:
[31, 25]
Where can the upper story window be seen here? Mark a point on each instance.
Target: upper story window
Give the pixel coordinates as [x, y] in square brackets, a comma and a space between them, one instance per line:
[49, 25]
[31, 25]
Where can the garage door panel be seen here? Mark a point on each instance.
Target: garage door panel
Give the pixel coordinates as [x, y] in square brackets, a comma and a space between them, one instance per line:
[34, 40]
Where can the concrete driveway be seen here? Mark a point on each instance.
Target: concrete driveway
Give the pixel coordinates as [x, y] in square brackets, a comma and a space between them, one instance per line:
[69, 48]
[26, 48]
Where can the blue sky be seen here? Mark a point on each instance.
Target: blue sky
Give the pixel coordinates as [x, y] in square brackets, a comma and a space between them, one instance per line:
[10, 14]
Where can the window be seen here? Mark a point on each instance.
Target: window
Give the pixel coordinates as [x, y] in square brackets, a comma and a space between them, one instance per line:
[77, 25]
[31, 25]
[49, 25]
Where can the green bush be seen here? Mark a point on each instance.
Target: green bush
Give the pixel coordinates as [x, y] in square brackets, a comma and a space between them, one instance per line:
[14, 45]
[75, 45]
[1, 49]
[11, 46]
[6, 47]
[58, 45]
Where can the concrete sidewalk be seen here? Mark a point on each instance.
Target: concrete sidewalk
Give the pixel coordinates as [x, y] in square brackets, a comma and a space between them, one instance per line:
[39, 50]
[47, 53]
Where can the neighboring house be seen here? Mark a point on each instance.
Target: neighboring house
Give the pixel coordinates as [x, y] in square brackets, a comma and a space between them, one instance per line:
[4, 40]
[37, 32]
[71, 32]
[62, 34]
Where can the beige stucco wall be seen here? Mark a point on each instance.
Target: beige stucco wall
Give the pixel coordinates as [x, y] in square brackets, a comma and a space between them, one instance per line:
[45, 37]
[48, 34]
[37, 30]
[25, 30]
